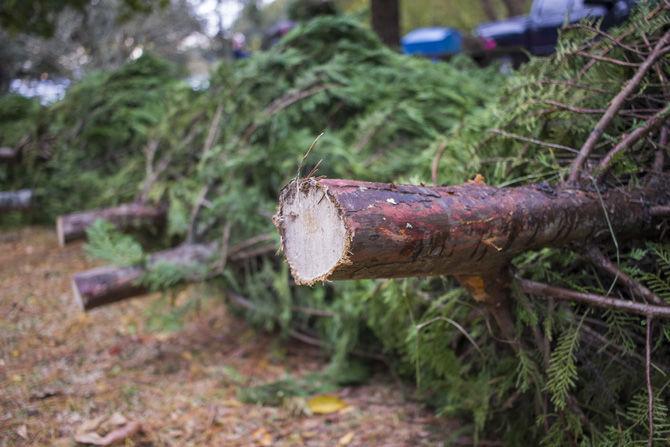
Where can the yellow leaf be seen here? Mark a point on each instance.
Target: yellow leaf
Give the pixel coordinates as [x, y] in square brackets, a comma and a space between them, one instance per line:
[266, 440]
[326, 404]
[346, 439]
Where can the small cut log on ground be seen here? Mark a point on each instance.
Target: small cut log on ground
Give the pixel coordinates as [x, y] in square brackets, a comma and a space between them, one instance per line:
[109, 284]
[71, 227]
[16, 200]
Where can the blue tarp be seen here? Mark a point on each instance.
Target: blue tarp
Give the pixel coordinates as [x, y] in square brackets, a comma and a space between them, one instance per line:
[432, 42]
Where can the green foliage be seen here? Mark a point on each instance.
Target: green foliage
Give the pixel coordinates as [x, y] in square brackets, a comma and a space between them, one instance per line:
[562, 372]
[107, 243]
[87, 150]
[331, 379]
[222, 155]
[40, 16]
[17, 119]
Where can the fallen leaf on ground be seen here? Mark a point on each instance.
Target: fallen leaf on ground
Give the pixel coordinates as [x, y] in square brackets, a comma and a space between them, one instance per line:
[22, 431]
[326, 404]
[117, 428]
[346, 439]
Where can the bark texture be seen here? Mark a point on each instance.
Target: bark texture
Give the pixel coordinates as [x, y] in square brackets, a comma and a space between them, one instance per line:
[386, 21]
[104, 285]
[16, 200]
[71, 227]
[471, 229]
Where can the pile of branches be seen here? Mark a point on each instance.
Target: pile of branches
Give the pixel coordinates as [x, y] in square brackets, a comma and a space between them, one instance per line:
[330, 100]
[85, 150]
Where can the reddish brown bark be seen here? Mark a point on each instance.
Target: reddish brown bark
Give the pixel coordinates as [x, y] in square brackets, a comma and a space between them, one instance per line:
[16, 200]
[104, 285]
[71, 227]
[471, 229]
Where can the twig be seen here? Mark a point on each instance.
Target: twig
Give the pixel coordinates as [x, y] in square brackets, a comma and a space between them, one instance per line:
[650, 389]
[600, 261]
[532, 140]
[282, 103]
[629, 140]
[544, 290]
[659, 158]
[615, 105]
[212, 133]
[609, 60]
[436, 162]
[202, 195]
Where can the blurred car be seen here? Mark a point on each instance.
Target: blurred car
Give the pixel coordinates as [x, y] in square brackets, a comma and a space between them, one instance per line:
[537, 33]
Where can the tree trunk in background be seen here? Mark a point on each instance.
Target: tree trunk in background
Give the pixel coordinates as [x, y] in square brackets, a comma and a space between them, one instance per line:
[386, 20]
[489, 10]
[515, 7]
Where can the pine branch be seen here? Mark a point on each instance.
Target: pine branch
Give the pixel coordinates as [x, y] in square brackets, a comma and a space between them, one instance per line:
[601, 262]
[615, 105]
[629, 140]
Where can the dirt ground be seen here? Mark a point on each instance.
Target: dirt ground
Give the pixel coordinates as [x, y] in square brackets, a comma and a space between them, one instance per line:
[61, 369]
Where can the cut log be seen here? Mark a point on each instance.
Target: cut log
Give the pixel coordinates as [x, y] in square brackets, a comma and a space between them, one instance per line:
[104, 285]
[345, 229]
[8, 155]
[16, 200]
[71, 227]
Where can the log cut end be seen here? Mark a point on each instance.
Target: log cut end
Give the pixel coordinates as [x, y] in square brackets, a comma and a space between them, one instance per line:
[60, 232]
[314, 237]
[77, 295]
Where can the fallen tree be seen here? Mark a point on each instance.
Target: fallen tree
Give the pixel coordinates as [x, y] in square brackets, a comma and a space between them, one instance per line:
[16, 200]
[71, 227]
[346, 229]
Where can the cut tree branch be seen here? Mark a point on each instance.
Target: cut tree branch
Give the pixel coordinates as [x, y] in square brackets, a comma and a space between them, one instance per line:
[604, 264]
[629, 140]
[616, 104]
[346, 229]
[545, 291]
[104, 285]
[72, 227]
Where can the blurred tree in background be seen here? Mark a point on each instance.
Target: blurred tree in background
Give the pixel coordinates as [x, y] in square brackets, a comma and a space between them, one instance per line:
[65, 39]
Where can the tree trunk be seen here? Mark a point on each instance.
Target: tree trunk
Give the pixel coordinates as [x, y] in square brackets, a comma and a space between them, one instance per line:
[71, 227]
[489, 10]
[104, 285]
[386, 21]
[345, 229]
[15, 200]
[515, 7]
